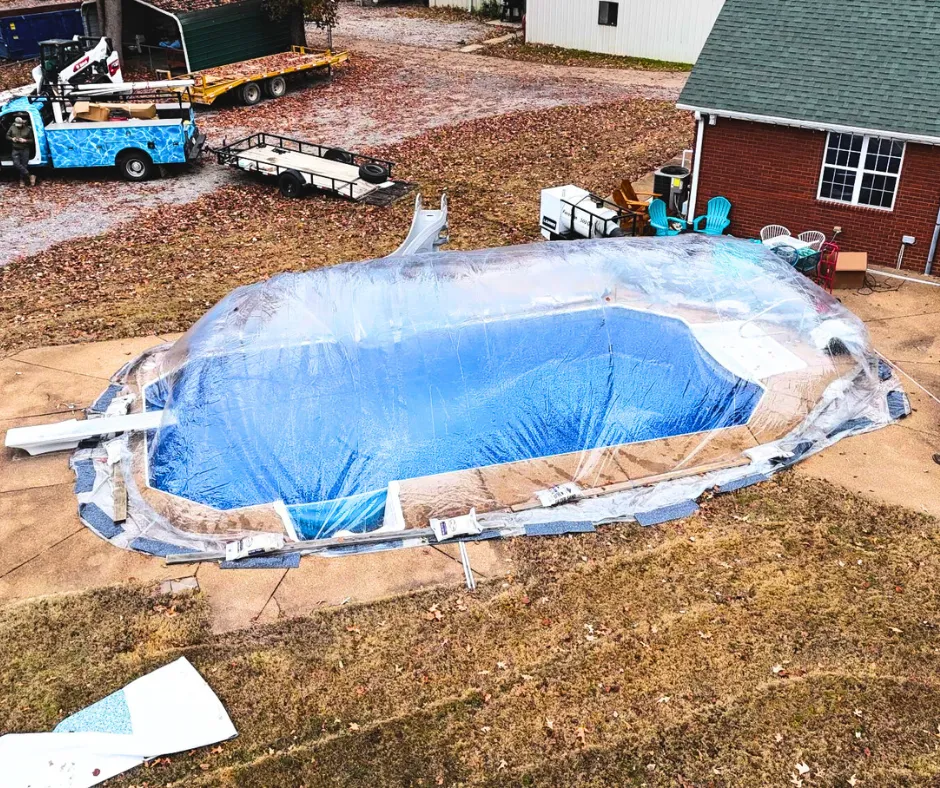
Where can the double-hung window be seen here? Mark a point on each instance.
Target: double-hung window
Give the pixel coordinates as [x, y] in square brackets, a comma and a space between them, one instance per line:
[861, 170]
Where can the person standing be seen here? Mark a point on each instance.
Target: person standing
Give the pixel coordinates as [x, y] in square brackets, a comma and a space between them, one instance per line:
[20, 135]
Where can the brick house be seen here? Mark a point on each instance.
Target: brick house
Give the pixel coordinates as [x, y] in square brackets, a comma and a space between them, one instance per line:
[817, 114]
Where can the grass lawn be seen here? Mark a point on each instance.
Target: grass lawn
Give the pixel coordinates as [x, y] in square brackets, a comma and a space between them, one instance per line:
[559, 56]
[161, 272]
[791, 623]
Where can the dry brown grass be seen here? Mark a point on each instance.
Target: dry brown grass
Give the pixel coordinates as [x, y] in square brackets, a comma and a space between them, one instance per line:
[161, 272]
[559, 56]
[629, 657]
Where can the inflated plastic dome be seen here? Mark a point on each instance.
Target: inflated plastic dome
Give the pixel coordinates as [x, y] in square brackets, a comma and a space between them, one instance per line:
[379, 395]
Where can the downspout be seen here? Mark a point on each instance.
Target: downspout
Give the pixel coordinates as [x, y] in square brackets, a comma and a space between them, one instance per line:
[696, 164]
[933, 246]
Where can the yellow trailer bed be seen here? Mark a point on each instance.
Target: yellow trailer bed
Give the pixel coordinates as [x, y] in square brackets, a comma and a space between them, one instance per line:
[261, 76]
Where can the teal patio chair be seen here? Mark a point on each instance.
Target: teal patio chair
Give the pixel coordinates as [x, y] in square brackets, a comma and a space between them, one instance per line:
[716, 219]
[664, 225]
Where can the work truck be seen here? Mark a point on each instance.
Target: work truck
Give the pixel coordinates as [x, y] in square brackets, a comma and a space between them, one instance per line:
[134, 126]
[134, 135]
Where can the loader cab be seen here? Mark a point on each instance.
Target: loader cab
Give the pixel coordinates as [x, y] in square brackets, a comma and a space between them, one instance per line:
[56, 54]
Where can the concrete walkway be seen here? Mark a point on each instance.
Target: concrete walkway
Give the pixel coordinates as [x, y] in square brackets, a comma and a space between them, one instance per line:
[45, 549]
[895, 464]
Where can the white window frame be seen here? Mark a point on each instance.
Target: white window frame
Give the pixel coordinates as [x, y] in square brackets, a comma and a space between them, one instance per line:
[609, 3]
[860, 172]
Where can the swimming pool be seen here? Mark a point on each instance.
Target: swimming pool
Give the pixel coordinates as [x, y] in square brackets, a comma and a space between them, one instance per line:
[329, 423]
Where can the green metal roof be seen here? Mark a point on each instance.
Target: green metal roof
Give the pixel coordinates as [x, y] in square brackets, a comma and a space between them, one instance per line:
[866, 64]
[233, 32]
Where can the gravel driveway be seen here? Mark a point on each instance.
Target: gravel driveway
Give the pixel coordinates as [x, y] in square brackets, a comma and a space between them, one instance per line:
[395, 25]
[388, 91]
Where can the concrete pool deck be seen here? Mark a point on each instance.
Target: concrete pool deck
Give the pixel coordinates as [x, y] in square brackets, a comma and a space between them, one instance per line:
[44, 549]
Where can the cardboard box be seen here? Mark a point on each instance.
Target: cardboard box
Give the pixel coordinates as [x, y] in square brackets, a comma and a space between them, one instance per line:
[138, 111]
[94, 113]
[850, 270]
[101, 112]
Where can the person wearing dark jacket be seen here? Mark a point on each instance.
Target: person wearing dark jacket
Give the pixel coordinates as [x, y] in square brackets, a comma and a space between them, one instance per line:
[20, 134]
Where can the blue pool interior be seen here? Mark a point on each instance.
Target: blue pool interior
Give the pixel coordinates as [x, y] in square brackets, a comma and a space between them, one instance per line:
[326, 426]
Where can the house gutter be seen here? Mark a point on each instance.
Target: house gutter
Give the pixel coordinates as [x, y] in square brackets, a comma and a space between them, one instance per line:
[696, 165]
[813, 125]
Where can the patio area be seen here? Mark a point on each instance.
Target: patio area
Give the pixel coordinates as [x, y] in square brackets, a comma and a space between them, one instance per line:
[44, 549]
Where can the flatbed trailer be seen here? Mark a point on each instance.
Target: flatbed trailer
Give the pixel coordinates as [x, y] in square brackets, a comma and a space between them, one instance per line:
[299, 166]
[262, 76]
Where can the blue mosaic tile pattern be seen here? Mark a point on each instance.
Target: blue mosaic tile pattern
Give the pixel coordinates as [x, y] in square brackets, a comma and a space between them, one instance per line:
[482, 537]
[744, 481]
[884, 370]
[84, 476]
[155, 547]
[559, 528]
[108, 715]
[898, 405]
[23, 104]
[107, 397]
[358, 549]
[664, 514]
[290, 561]
[98, 145]
[92, 515]
[850, 425]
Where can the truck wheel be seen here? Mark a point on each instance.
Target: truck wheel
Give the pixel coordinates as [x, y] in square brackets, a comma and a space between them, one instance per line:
[291, 183]
[250, 94]
[135, 166]
[275, 87]
[338, 154]
[373, 173]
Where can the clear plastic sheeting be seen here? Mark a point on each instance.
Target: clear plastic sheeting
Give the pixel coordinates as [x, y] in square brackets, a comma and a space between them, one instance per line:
[379, 395]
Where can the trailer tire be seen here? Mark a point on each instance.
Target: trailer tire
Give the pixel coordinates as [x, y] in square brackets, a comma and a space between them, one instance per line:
[373, 173]
[275, 87]
[291, 183]
[338, 154]
[135, 165]
[250, 93]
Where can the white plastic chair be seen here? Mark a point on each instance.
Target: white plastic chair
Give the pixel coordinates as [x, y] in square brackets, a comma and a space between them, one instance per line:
[814, 238]
[773, 231]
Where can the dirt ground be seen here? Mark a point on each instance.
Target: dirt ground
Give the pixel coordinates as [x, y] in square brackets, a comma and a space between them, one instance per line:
[379, 98]
[161, 272]
[403, 24]
[786, 635]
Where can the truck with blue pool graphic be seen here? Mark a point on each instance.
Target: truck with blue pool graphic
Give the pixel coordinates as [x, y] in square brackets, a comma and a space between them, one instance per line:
[134, 137]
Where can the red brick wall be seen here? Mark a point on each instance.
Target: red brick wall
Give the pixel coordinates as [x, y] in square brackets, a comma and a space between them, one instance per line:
[771, 175]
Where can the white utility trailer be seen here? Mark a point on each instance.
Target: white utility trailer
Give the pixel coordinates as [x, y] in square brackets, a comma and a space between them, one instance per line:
[299, 166]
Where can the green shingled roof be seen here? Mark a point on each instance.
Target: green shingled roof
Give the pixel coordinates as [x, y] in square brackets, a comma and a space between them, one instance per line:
[871, 64]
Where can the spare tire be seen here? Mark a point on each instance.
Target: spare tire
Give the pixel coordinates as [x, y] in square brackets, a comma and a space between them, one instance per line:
[338, 154]
[373, 173]
[291, 183]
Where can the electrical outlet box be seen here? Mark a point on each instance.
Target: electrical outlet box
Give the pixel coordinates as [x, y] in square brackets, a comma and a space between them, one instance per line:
[908, 239]
[837, 230]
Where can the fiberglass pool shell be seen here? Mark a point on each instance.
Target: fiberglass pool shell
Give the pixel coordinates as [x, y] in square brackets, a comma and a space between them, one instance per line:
[325, 421]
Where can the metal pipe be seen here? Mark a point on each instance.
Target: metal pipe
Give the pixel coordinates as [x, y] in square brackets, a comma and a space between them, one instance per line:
[696, 166]
[932, 254]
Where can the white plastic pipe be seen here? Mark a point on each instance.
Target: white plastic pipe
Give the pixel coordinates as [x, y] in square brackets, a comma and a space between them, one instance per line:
[696, 165]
